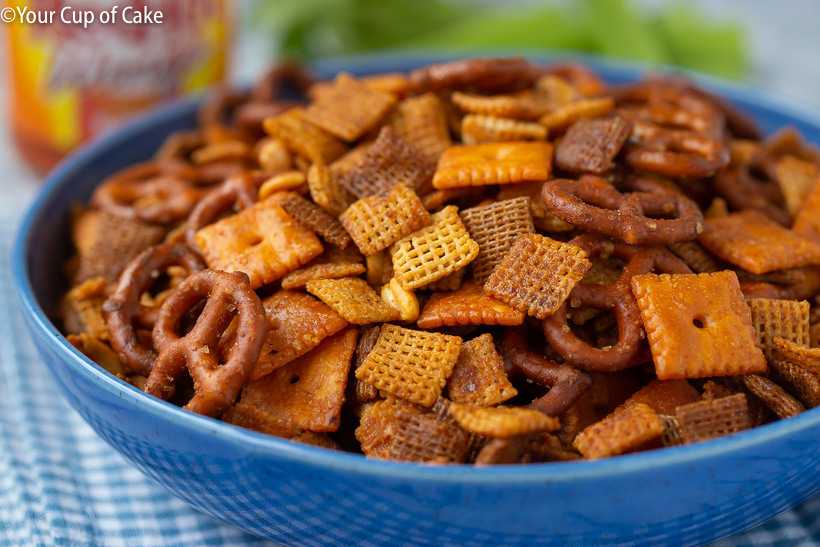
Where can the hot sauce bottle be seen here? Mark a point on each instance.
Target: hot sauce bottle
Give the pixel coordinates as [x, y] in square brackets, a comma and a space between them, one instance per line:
[70, 79]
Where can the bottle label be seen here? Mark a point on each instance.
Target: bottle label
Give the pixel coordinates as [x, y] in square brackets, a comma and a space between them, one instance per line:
[79, 67]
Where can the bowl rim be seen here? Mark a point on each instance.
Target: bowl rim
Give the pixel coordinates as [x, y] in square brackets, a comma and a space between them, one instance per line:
[269, 446]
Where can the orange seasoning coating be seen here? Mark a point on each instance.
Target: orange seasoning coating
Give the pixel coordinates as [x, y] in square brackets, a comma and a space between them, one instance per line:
[698, 325]
[494, 163]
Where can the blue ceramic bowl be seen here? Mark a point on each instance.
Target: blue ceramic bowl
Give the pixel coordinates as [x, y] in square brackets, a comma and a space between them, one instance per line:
[297, 494]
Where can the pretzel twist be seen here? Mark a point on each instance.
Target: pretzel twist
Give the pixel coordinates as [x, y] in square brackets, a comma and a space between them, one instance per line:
[216, 385]
[617, 297]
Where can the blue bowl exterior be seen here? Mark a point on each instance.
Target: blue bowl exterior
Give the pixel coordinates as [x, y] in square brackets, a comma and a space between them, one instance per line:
[298, 494]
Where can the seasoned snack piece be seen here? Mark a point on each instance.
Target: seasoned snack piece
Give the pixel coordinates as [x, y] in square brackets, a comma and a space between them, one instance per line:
[807, 221]
[263, 242]
[422, 438]
[773, 396]
[489, 75]
[537, 275]
[478, 377]
[216, 384]
[296, 323]
[308, 392]
[303, 137]
[540, 447]
[402, 300]
[434, 252]
[99, 352]
[390, 160]
[502, 422]
[412, 365]
[616, 297]
[566, 383]
[251, 417]
[353, 299]
[376, 430]
[282, 182]
[358, 391]
[518, 106]
[796, 178]
[349, 108]
[236, 193]
[423, 123]
[467, 305]
[663, 396]
[395, 83]
[801, 383]
[482, 129]
[779, 318]
[400, 432]
[672, 432]
[376, 222]
[106, 232]
[156, 192]
[590, 145]
[542, 218]
[751, 240]
[223, 151]
[620, 433]
[566, 115]
[698, 325]
[451, 282]
[806, 358]
[379, 268]
[326, 190]
[124, 311]
[695, 256]
[596, 206]
[314, 218]
[496, 163]
[81, 309]
[711, 419]
[495, 228]
[298, 279]
[676, 132]
[273, 156]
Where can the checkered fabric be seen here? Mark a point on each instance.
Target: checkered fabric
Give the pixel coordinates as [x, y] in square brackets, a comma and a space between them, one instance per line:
[61, 484]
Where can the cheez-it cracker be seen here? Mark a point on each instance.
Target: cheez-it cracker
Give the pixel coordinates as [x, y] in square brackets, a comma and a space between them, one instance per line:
[309, 391]
[263, 241]
[494, 163]
[698, 325]
[757, 244]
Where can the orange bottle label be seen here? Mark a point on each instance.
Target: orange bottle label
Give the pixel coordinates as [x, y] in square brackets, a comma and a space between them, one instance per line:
[79, 67]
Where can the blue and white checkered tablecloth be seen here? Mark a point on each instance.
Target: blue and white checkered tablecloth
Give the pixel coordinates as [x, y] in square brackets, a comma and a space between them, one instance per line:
[60, 484]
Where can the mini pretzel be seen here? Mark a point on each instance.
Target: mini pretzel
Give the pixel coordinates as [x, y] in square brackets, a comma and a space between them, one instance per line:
[485, 74]
[617, 297]
[215, 385]
[743, 190]
[675, 133]
[238, 192]
[158, 192]
[596, 206]
[566, 383]
[124, 313]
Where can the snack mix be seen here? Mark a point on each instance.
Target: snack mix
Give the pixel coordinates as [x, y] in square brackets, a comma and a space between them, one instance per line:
[483, 261]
